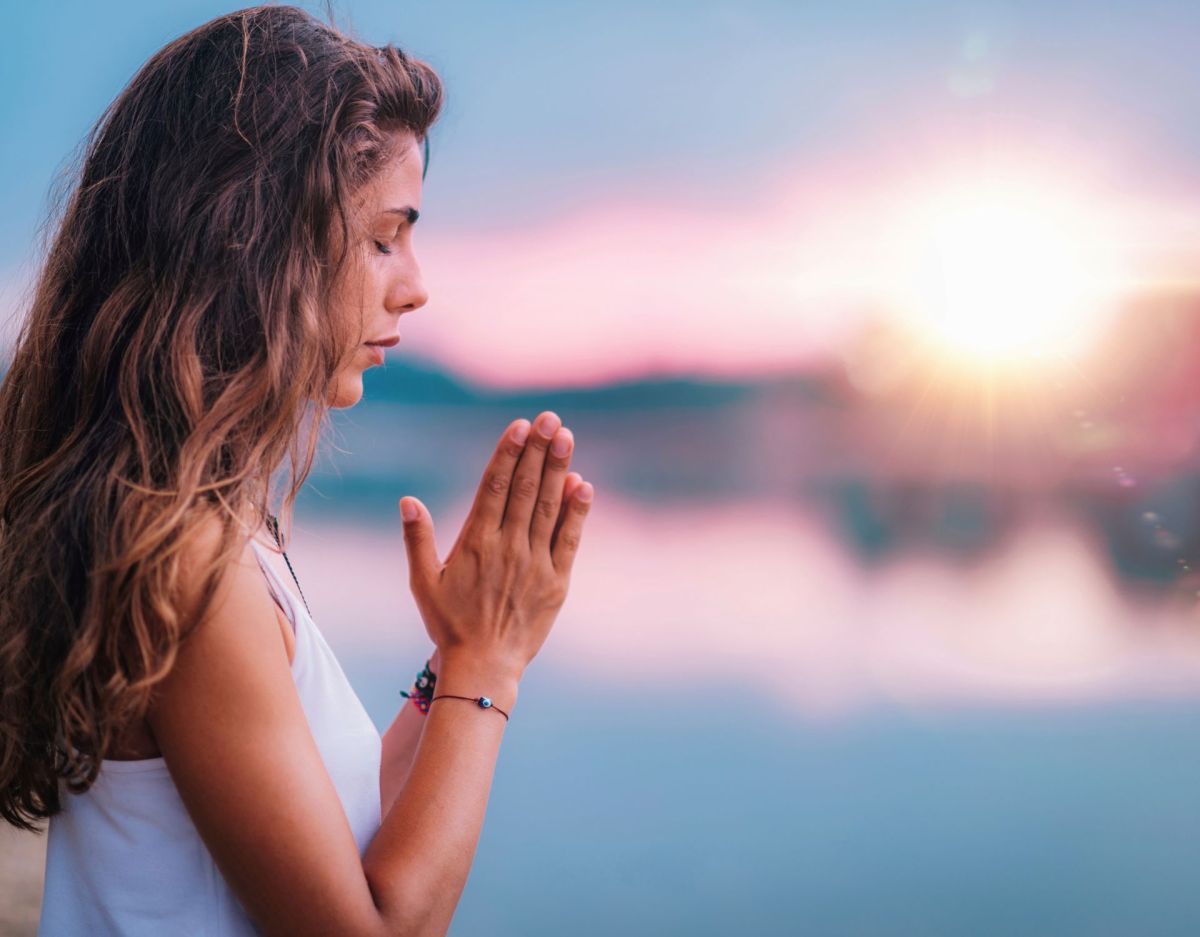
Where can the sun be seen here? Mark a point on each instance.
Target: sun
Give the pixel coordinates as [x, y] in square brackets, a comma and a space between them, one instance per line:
[999, 272]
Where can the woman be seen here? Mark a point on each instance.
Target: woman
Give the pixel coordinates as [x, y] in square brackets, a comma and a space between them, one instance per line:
[236, 252]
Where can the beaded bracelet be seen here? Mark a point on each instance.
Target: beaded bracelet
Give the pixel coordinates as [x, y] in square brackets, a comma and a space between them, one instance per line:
[422, 694]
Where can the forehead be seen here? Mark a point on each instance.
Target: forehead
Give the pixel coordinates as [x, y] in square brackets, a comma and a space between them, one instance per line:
[399, 181]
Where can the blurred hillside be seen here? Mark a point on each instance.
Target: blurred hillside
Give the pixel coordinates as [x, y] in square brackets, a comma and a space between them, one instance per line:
[909, 467]
[408, 379]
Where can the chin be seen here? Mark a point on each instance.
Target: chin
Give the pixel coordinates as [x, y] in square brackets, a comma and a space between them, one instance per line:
[348, 391]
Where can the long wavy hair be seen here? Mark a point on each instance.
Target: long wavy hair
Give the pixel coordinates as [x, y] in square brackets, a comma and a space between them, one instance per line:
[175, 353]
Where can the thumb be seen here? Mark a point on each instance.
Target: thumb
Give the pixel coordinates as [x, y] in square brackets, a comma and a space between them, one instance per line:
[418, 538]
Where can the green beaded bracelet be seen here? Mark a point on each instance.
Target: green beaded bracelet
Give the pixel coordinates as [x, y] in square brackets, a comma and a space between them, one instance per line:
[422, 694]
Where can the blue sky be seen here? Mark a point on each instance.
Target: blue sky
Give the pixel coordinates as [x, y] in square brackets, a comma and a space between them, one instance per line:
[551, 101]
[556, 108]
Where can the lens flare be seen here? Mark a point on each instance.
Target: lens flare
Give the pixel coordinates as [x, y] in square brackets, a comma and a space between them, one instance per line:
[999, 272]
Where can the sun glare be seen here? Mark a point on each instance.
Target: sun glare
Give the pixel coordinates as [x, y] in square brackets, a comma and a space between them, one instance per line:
[996, 273]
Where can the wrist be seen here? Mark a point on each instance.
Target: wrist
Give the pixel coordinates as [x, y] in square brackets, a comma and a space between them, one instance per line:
[470, 675]
[462, 660]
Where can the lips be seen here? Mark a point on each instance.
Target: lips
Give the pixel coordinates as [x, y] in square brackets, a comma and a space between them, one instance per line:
[385, 342]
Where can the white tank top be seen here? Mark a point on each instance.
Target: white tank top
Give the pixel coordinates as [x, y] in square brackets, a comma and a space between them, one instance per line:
[124, 857]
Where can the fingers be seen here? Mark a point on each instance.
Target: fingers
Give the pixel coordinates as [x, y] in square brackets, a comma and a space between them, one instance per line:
[527, 479]
[487, 511]
[566, 543]
[546, 509]
[570, 483]
[419, 541]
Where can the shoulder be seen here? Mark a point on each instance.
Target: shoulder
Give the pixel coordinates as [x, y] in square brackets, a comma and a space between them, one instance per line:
[241, 601]
[233, 660]
[200, 545]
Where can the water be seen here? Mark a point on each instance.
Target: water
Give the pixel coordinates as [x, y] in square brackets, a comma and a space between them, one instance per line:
[749, 719]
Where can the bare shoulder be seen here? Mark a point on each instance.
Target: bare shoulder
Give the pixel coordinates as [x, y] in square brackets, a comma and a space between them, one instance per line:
[137, 740]
[241, 610]
[242, 574]
[239, 632]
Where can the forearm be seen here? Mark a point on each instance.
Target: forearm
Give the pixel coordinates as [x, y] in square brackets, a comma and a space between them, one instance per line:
[400, 745]
[418, 862]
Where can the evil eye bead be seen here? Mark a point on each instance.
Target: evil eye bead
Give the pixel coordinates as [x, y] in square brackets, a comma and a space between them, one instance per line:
[484, 702]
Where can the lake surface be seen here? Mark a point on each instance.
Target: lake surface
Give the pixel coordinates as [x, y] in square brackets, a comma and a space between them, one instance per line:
[786, 697]
[740, 725]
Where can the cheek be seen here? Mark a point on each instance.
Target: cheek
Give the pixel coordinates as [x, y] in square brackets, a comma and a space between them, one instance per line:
[360, 281]
[375, 286]
[368, 295]
[353, 303]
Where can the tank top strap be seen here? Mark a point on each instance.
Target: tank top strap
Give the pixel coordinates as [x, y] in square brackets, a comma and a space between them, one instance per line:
[279, 591]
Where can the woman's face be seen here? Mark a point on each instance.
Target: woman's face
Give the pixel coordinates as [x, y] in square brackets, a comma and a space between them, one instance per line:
[382, 280]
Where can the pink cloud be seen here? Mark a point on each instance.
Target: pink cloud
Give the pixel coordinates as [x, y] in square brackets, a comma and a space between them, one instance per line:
[775, 278]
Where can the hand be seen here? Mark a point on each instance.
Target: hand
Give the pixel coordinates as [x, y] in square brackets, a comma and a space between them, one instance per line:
[572, 482]
[501, 586]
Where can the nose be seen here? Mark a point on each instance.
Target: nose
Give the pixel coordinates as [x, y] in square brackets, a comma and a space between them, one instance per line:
[409, 294]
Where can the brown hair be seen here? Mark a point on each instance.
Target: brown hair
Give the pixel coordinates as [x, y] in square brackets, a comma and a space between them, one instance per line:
[175, 350]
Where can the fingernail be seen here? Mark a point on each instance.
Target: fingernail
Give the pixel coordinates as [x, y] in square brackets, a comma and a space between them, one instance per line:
[548, 424]
[585, 492]
[408, 510]
[521, 432]
[562, 443]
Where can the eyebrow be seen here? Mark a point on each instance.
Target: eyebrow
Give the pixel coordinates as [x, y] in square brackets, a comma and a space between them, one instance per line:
[410, 214]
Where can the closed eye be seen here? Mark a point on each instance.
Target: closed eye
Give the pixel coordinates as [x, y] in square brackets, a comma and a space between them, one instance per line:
[382, 248]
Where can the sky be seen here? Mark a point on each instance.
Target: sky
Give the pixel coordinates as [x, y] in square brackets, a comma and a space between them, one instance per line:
[626, 188]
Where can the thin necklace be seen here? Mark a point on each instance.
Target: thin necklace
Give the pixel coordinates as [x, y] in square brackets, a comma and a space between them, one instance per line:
[273, 526]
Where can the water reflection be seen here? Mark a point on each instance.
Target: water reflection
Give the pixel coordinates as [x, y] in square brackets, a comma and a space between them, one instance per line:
[798, 687]
[681, 596]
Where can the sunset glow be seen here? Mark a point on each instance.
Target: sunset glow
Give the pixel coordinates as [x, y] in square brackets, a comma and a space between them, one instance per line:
[995, 272]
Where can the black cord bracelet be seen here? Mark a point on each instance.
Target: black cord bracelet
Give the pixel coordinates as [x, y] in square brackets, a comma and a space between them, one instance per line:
[483, 701]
